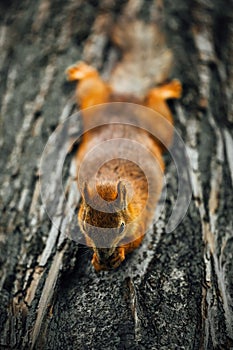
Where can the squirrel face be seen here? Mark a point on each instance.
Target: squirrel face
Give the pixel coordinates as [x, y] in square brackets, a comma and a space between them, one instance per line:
[102, 217]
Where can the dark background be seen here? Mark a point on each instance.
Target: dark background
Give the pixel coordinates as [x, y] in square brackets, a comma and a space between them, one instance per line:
[176, 291]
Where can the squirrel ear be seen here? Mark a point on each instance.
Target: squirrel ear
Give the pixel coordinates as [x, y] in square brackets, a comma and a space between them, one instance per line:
[85, 192]
[121, 195]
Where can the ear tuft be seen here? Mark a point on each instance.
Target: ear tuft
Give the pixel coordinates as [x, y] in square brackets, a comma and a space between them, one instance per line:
[121, 195]
[85, 192]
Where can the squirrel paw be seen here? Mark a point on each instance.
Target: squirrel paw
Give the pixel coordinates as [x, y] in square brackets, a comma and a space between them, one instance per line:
[112, 264]
[97, 266]
[175, 88]
[166, 91]
[80, 70]
[117, 260]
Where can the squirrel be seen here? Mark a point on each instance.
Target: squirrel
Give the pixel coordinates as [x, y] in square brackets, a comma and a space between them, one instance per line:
[118, 201]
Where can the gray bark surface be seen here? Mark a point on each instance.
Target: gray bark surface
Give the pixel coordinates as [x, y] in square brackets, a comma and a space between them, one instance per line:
[176, 290]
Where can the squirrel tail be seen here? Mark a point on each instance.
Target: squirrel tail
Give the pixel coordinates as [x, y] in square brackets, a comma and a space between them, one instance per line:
[146, 59]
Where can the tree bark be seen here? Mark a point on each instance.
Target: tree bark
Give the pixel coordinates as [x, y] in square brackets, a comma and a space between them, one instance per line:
[176, 290]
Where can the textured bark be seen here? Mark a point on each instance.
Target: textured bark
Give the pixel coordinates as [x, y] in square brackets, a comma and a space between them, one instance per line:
[176, 290]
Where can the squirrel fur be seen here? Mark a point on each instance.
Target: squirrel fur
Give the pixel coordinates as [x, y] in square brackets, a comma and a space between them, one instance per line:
[119, 200]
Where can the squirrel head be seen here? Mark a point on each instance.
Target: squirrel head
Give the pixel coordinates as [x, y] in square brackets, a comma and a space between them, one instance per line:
[103, 216]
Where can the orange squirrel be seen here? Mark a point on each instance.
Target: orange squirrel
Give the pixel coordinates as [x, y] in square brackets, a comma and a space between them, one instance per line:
[117, 203]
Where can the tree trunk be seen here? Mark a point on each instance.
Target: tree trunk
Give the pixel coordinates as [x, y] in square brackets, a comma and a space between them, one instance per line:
[176, 290]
